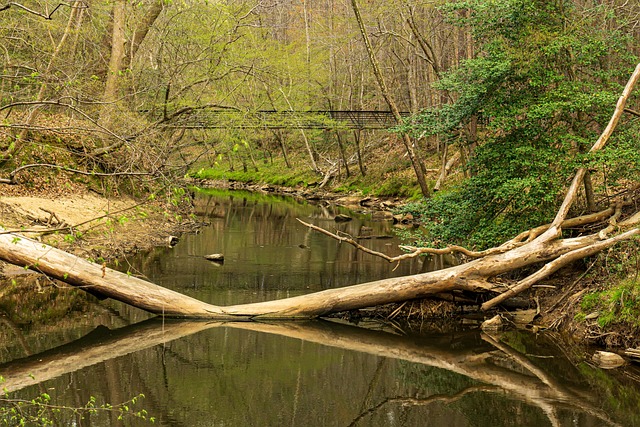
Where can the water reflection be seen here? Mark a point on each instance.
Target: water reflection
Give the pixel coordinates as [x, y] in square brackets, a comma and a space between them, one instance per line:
[268, 254]
[316, 373]
[296, 374]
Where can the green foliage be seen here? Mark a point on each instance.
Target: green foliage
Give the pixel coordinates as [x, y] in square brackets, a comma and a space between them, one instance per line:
[544, 83]
[620, 162]
[617, 305]
[42, 411]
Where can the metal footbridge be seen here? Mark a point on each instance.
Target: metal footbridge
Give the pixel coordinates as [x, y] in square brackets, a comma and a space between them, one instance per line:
[213, 118]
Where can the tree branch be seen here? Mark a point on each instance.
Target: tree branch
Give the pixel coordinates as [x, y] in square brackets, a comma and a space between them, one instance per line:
[12, 176]
[357, 245]
[553, 266]
[40, 14]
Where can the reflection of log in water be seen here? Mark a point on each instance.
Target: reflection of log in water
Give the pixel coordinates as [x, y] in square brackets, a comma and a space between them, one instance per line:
[99, 346]
[526, 383]
[479, 363]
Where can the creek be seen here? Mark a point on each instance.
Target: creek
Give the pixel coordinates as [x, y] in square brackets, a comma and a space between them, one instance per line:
[311, 373]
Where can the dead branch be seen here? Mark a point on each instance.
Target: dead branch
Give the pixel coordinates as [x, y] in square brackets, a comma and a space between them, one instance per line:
[632, 112]
[357, 245]
[579, 221]
[40, 14]
[558, 263]
[12, 176]
[454, 249]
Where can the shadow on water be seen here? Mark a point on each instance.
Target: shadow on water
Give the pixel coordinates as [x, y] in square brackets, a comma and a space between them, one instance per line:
[313, 373]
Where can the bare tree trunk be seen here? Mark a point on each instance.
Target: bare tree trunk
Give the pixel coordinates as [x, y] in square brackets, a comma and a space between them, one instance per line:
[283, 147]
[589, 193]
[445, 167]
[74, 15]
[116, 61]
[141, 32]
[310, 149]
[343, 153]
[406, 139]
[357, 136]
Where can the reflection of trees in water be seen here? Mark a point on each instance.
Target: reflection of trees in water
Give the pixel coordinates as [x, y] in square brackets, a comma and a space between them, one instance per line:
[267, 250]
[34, 318]
[475, 377]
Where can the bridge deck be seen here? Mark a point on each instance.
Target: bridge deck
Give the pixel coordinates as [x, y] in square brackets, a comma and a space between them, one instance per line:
[274, 119]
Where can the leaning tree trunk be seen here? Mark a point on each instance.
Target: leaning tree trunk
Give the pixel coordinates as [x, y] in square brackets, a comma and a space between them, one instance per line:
[418, 167]
[540, 245]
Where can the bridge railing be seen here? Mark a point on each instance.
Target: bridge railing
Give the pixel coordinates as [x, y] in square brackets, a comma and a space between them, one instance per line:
[285, 119]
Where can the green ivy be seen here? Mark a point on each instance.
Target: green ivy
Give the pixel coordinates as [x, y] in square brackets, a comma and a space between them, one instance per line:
[543, 85]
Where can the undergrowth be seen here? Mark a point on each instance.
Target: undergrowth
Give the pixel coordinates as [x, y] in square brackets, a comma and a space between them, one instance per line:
[615, 304]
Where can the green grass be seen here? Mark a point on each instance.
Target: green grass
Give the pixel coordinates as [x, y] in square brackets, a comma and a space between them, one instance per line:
[267, 174]
[300, 175]
[616, 305]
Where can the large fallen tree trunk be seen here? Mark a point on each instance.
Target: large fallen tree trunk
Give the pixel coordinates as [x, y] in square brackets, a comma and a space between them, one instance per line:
[541, 245]
[471, 276]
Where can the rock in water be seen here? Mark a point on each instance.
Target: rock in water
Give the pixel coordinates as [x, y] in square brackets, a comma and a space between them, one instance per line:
[218, 258]
[492, 325]
[607, 360]
[342, 218]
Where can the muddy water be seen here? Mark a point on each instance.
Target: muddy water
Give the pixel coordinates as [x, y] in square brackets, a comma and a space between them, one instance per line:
[321, 373]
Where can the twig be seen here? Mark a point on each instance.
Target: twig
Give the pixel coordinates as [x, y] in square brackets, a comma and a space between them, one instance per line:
[355, 244]
[12, 175]
[40, 14]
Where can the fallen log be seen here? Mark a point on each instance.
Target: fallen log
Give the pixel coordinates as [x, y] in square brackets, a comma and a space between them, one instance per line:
[471, 276]
[542, 245]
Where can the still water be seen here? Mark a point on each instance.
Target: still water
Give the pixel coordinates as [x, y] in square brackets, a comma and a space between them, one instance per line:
[319, 373]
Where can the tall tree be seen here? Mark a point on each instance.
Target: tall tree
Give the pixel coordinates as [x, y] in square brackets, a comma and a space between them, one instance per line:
[418, 167]
[116, 58]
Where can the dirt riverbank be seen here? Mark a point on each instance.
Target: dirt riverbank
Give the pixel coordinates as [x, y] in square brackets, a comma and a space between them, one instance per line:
[88, 224]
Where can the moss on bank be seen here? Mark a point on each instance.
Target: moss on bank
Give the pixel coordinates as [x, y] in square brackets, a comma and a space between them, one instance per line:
[609, 310]
[389, 174]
